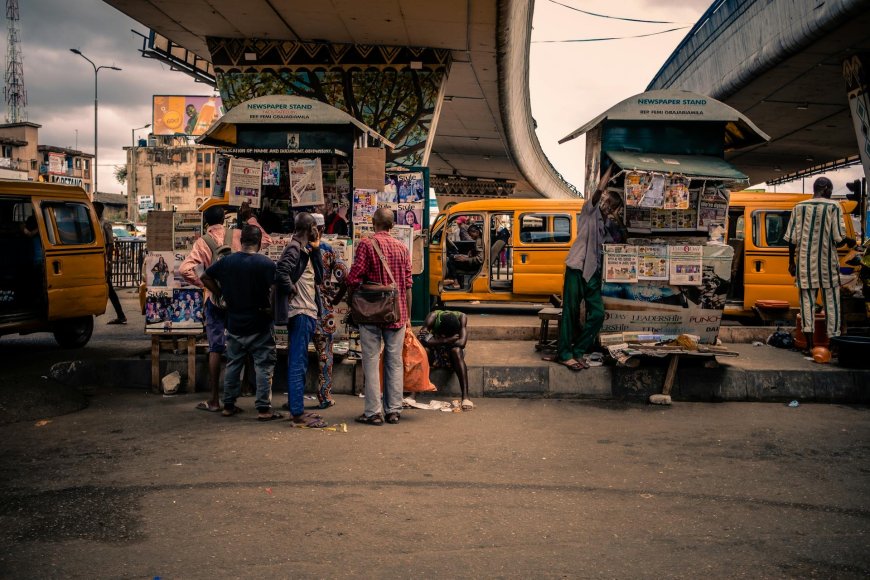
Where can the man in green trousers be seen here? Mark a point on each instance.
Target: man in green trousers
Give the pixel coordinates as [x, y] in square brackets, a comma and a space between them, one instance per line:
[583, 280]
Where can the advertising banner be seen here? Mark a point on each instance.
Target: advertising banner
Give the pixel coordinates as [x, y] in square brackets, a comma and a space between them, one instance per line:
[56, 164]
[184, 115]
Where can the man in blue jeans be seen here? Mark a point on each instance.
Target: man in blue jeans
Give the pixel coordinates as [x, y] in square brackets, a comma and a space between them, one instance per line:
[383, 260]
[243, 281]
[299, 274]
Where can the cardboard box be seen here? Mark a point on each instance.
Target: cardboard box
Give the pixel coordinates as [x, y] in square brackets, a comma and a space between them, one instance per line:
[369, 168]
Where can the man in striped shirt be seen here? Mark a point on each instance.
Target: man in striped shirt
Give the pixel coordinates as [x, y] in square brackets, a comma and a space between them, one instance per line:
[815, 231]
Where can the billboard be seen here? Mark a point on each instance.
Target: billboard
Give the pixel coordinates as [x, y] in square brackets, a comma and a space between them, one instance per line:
[184, 115]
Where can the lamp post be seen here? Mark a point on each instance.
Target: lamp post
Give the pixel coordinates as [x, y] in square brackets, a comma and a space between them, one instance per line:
[132, 202]
[96, 107]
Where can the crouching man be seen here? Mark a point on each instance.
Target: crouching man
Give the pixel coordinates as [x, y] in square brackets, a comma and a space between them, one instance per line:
[243, 281]
[444, 336]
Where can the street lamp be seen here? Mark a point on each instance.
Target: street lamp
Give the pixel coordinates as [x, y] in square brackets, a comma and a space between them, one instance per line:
[96, 106]
[132, 202]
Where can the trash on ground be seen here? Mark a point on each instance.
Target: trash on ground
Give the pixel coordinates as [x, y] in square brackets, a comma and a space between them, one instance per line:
[794, 404]
[42, 423]
[171, 382]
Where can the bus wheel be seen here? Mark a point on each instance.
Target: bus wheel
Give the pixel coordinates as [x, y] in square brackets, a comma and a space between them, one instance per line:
[74, 333]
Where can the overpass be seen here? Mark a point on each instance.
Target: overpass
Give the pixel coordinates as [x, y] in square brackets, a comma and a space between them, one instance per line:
[780, 62]
[476, 137]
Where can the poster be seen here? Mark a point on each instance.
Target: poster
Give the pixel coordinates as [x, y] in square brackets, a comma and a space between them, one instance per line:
[410, 187]
[187, 228]
[410, 214]
[390, 194]
[221, 174]
[174, 310]
[245, 181]
[365, 203]
[685, 265]
[620, 263]
[306, 182]
[676, 193]
[271, 173]
[405, 235]
[652, 262]
[159, 269]
[644, 189]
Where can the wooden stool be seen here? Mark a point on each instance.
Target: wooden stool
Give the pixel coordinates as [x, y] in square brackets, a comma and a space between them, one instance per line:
[546, 315]
[191, 358]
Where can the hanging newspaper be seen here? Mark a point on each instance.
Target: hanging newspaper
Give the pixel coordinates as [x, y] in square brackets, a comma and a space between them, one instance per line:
[276, 248]
[405, 235]
[685, 265]
[652, 262]
[620, 263]
[306, 182]
[245, 181]
[636, 184]
[713, 209]
[677, 193]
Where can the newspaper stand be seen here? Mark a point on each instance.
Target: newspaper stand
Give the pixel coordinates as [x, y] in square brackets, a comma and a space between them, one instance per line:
[668, 270]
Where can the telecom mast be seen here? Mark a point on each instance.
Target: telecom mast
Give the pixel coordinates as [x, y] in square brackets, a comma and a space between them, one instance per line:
[16, 96]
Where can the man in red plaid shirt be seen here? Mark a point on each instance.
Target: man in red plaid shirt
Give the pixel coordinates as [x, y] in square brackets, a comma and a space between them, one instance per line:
[367, 267]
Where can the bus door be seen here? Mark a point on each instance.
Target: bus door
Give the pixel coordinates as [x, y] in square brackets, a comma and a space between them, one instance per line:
[542, 241]
[501, 270]
[464, 254]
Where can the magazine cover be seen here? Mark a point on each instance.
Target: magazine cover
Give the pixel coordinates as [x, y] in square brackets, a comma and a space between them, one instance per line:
[306, 183]
[677, 193]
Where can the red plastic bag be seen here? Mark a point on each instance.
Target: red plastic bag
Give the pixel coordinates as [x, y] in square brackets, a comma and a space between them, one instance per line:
[416, 366]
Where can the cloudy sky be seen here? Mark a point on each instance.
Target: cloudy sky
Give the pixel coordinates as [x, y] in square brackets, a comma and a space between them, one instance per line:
[570, 83]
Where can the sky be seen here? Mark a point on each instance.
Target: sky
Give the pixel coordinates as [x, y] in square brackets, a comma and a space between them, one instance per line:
[570, 83]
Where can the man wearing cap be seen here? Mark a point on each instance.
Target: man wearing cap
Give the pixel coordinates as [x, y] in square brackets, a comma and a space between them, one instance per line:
[814, 233]
[332, 289]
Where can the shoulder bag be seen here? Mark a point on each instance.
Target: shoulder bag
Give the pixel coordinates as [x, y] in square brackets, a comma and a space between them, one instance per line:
[375, 303]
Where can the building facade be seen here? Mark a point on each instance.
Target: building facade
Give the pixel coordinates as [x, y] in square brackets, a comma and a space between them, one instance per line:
[165, 173]
[18, 151]
[66, 167]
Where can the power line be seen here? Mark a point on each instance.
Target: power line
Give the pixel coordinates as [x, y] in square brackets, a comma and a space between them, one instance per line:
[611, 37]
[612, 17]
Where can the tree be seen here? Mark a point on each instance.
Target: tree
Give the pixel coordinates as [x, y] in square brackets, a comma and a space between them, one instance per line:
[121, 174]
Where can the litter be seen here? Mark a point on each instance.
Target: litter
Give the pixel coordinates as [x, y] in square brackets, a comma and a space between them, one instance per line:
[794, 404]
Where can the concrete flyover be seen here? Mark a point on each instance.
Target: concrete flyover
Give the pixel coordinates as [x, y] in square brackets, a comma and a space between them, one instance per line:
[780, 63]
[481, 127]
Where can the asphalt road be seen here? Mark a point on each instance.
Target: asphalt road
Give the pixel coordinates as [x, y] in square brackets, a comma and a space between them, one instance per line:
[138, 486]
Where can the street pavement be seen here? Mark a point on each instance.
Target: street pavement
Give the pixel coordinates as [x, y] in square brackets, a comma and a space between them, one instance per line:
[139, 486]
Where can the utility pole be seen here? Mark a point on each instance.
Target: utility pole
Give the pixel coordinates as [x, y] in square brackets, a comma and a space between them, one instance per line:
[16, 96]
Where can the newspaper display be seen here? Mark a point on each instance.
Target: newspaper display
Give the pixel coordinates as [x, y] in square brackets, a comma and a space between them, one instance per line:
[245, 181]
[676, 193]
[276, 248]
[652, 262]
[221, 173]
[636, 185]
[638, 219]
[685, 265]
[306, 182]
[187, 228]
[713, 209]
[620, 263]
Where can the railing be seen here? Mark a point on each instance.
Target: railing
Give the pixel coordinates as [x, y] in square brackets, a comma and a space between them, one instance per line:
[127, 265]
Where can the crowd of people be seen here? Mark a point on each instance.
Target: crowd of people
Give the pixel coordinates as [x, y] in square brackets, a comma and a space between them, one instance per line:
[247, 295]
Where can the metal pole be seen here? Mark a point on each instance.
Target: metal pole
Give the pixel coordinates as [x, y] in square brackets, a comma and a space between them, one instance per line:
[96, 109]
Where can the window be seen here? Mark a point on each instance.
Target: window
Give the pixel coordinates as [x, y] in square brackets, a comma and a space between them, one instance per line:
[72, 221]
[207, 183]
[199, 183]
[158, 180]
[7, 151]
[33, 165]
[538, 228]
[87, 165]
[774, 227]
[78, 163]
[208, 157]
[185, 182]
[199, 157]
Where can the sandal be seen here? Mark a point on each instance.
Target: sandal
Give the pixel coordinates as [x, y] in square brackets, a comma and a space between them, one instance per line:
[393, 418]
[230, 411]
[274, 416]
[574, 365]
[308, 422]
[204, 406]
[373, 420]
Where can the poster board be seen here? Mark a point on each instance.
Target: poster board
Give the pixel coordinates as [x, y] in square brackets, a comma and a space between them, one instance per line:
[172, 306]
[161, 227]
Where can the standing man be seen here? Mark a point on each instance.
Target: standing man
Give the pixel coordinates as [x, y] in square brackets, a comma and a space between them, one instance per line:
[193, 266]
[299, 273]
[109, 235]
[243, 280]
[373, 256]
[583, 281]
[331, 291]
[815, 231]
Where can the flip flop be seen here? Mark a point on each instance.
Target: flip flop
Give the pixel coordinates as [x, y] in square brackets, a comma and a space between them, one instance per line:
[229, 412]
[575, 366]
[467, 405]
[273, 417]
[204, 406]
[311, 423]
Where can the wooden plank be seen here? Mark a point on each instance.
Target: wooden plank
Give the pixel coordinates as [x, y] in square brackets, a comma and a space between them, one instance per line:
[191, 363]
[672, 374]
[155, 364]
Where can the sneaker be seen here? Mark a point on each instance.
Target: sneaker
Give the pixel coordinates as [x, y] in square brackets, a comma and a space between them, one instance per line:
[118, 321]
